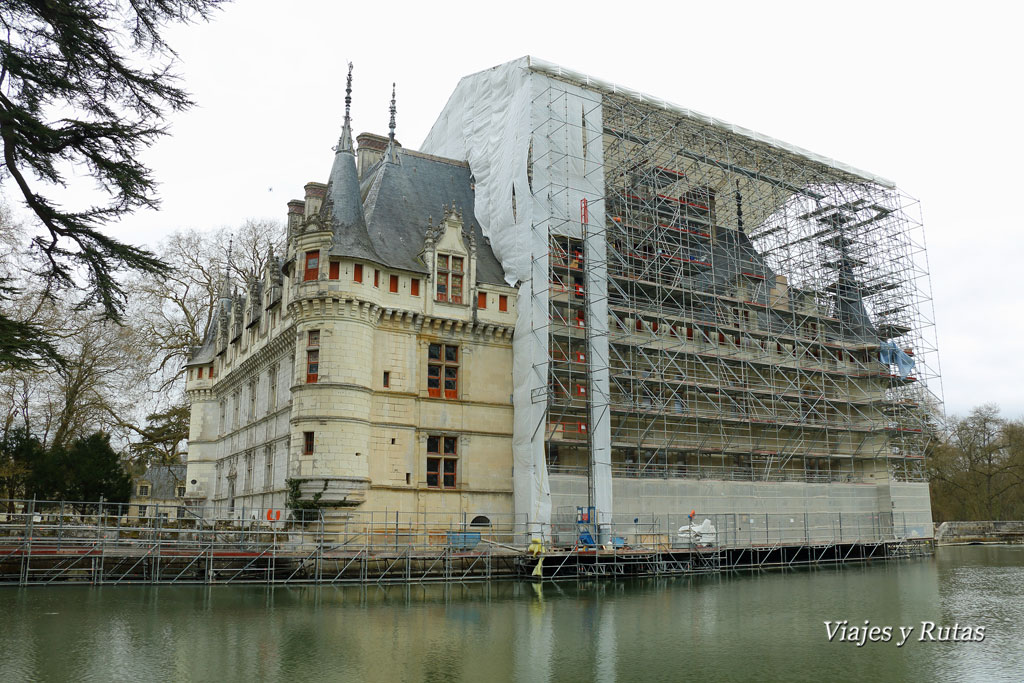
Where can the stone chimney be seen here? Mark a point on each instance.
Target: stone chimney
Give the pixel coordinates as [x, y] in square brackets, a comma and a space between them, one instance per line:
[315, 193]
[296, 211]
[370, 150]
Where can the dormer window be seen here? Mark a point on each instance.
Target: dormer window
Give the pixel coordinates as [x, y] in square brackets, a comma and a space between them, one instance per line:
[449, 278]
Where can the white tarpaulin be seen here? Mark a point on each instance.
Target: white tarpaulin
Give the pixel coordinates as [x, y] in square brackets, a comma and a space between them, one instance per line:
[504, 121]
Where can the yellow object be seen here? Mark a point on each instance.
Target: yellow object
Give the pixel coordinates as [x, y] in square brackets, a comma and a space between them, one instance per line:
[536, 547]
[537, 571]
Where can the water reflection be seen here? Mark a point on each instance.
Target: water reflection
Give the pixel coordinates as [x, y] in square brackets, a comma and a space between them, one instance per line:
[761, 626]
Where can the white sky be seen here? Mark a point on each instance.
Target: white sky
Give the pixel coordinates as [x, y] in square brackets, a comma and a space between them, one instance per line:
[926, 94]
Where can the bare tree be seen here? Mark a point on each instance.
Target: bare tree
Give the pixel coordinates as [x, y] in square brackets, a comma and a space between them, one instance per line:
[173, 313]
[978, 472]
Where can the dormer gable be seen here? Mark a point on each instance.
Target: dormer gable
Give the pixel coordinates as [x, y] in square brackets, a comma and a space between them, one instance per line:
[449, 253]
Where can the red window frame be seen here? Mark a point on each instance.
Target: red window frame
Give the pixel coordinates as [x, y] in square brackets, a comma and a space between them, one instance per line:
[441, 291]
[312, 270]
[503, 303]
[481, 300]
[308, 443]
[414, 286]
[393, 284]
[335, 270]
[442, 461]
[199, 373]
[357, 273]
[312, 356]
[443, 371]
[376, 278]
[312, 366]
[455, 289]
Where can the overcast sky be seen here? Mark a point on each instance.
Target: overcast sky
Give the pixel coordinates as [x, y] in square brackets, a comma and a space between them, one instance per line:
[926, 94]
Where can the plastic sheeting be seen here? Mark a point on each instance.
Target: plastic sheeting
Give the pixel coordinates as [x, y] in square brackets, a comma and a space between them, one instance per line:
[598, 85]
[504, 121]
[891, 354]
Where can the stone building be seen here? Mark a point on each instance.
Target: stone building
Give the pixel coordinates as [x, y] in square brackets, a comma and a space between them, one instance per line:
[702, 317]
[158, 492]
[370, 366]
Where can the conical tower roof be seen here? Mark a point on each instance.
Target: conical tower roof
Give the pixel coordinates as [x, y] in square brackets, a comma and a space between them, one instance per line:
[343, 206]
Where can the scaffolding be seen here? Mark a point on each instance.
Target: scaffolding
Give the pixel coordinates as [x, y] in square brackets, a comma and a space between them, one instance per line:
[102, 543]
[768, 312]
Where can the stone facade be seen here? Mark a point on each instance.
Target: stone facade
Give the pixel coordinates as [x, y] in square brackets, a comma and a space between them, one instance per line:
[342, 379]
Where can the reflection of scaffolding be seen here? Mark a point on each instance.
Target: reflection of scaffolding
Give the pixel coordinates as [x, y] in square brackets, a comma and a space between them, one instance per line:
[749, 291]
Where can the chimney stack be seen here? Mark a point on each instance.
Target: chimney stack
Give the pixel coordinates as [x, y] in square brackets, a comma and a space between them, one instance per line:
[296, 211]
[315, 193]
[370, 150]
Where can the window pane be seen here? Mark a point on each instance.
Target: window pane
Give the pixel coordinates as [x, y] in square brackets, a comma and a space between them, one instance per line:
[434, 352]
[449, 465]
[451, 354]
[313, 338]
[433, 467]
[457, 289]
[449, 445]
[432, 445]
[442, 263]
[457, 263]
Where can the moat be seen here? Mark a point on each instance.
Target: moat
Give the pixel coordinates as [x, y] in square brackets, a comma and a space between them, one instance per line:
[743, 626]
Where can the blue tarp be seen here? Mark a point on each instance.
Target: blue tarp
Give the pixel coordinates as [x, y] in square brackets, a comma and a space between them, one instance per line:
[891, 354]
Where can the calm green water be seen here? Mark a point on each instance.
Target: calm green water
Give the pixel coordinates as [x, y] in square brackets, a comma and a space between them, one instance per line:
[744, 627]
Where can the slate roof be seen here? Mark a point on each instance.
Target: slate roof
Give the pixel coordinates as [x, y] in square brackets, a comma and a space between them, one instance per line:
[163, 479]
[344, 208]
[400, 196]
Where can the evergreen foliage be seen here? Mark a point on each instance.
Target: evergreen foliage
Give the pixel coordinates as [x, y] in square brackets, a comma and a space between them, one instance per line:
[86, 84]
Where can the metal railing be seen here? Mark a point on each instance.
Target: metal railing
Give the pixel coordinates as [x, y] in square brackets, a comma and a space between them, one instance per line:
[717, 472]
[103, 543]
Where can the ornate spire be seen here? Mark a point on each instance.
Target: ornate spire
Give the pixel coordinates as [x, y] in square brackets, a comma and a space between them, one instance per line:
[342, 209]
[226, 283]
[391, 124]
[348, 92]
[739, 207]
[345, 142]
[391, 153]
